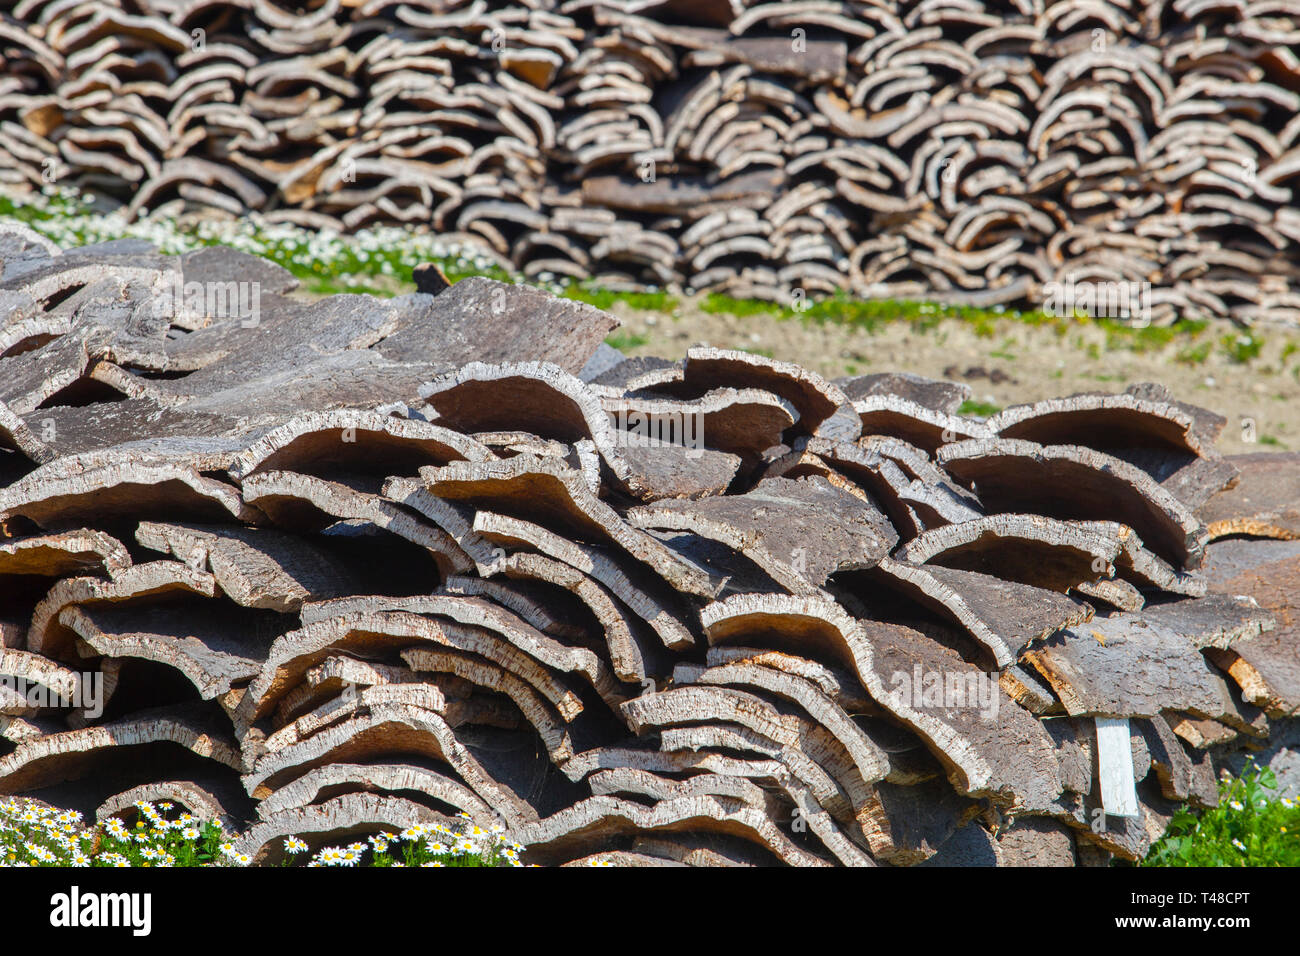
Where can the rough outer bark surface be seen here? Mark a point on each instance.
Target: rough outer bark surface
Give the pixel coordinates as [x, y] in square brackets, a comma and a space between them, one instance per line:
[799, 532]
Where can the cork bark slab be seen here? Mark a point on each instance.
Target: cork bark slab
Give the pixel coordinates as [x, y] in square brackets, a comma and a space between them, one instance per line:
[871, 762]
[1029, 841]
[547, 723]
[54, 758]
[305, 503]
[1103, 422]
[1123, 666]
[528, 603]
[823, 408]
[535, 397]
[383, 732]
[483, 320]
[798, 531]
[1002, 615]
[71, 553]
[1265, 501]
[908, 825]
[597, 819]
[349, 440]
[16, 434]
[1071, 481]
[1267, 666]
[60, 683]
[621, 629]
[636, 590]
[308, 789]
[122, 490]
[744, 422]
[1008, 758]
[898, 417]
[469, 618]
[204, 799]
[557, 497]
[931, 393]
[137, 584]
[1030, 549]
[256, 567]
[213, 646]
[359, 633]
[335, 821]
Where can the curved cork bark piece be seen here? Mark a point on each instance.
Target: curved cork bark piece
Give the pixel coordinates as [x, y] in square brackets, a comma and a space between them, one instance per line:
[598, 819]
[824, 410]
[1029, 841]
[1071, 481]
[126, 489]
[798, 766]
[1123, 666]
[335, 821]
[919, 425]
[64, 555]
[56, 757]
[799, 532]
[1138, 565]
[332, 678]
[837, 684]
[671, 762]
[1030, 549]
[1266, 667]
[351, 702]
[534, 396]
[627, 654]
[58, 685]
[379, 778]
[388, 731]
[696, 704]
[1003, 616]
[465, 618]
[349, 440]
[214, 647]
[557, 497]
[1103, 422]
[641, 783]
[197, 798]
[932, 393]
[136, 584]
[528, 603]
[871, 762]
[590, 560]
[890, 468]
[15, 433]
[254, 567]
[1005, 757]
[549, 726]
[362, 632]
[305, 503]
[743, 422]
[1265, 501]
[905, 826]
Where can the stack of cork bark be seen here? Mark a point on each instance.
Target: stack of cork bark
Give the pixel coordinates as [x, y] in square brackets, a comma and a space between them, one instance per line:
[984, 152]
[335, 567]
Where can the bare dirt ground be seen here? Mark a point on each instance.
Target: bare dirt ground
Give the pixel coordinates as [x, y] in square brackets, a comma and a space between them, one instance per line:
[1017, 363]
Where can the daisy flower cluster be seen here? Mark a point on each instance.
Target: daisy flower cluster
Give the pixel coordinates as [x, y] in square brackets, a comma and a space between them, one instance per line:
[460, 843]
[32, 834]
